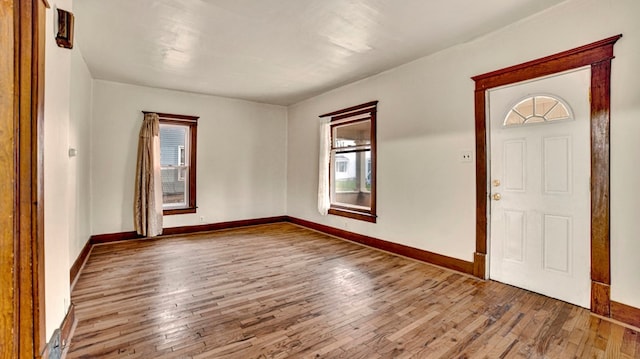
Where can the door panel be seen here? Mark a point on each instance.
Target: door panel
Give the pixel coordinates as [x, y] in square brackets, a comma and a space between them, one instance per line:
[515, 165]
[540, 195]
[514, 239]
[557, 165]
[557, 243]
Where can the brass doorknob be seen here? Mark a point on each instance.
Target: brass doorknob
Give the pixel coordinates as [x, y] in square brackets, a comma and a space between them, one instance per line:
[497, 196]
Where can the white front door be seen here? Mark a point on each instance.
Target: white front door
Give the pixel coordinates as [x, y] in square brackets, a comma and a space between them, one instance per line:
[539, 178]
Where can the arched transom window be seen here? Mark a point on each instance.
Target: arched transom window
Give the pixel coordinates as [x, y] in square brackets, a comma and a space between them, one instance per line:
[537, 109]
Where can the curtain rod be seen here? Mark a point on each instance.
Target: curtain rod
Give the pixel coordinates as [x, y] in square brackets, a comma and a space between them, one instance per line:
[173, 116]
[351, 109]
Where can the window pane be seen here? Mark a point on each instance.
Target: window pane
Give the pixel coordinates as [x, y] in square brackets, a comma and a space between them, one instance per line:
[352, 186]
[352, 134]
[172, 138]
[174, 169]
[174, 192]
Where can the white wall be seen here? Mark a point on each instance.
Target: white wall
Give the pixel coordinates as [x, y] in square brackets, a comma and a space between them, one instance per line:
[426, 197]
[241, 158]
[79, 196]
[56, 173]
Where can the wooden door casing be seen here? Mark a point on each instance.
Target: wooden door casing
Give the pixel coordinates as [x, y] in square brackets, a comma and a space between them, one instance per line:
[22, 333]
[598, 56]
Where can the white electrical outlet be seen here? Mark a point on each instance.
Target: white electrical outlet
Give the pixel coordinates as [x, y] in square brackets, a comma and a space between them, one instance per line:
[201, 219]
[466, 156]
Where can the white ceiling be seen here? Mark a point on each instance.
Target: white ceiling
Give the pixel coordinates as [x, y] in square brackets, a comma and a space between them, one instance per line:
[274, 51]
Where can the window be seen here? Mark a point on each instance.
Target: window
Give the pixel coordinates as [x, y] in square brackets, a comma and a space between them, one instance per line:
[352, 169]
[537, 109]
[178, 134]
[181, 162]
[341, 164]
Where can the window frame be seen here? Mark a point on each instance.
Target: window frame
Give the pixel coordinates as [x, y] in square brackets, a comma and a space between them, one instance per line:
[355, 114]
[192, 123]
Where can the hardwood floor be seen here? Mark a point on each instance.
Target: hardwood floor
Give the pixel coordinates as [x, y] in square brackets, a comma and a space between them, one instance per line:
[282, 291]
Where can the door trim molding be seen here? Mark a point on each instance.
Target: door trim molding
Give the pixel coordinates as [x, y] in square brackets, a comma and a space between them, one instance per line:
[598, 56]
[22, 298]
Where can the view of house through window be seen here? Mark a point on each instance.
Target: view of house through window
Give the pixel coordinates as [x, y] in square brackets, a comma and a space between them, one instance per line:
[177, 163]
[342, 163]
[173, 139]
[353, 159]
[352, 162]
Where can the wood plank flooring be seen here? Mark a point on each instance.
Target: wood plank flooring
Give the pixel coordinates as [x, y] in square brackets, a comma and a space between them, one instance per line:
[282, 291]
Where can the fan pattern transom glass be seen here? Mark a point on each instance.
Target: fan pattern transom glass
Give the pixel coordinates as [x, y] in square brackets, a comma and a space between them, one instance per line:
[537, 109]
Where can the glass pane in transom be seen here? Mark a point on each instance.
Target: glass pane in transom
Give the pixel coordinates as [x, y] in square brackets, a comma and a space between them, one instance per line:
[525, 108]
[559, 112]
[537, 109]
[544, 104]
[534, 119]
[513, 119]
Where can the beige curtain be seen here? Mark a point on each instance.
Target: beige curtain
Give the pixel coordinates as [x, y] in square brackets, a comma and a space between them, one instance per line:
[324, 202]
[147, 204]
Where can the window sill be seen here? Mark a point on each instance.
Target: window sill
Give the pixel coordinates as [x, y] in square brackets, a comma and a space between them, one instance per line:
[171, 211]
[362, 216]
